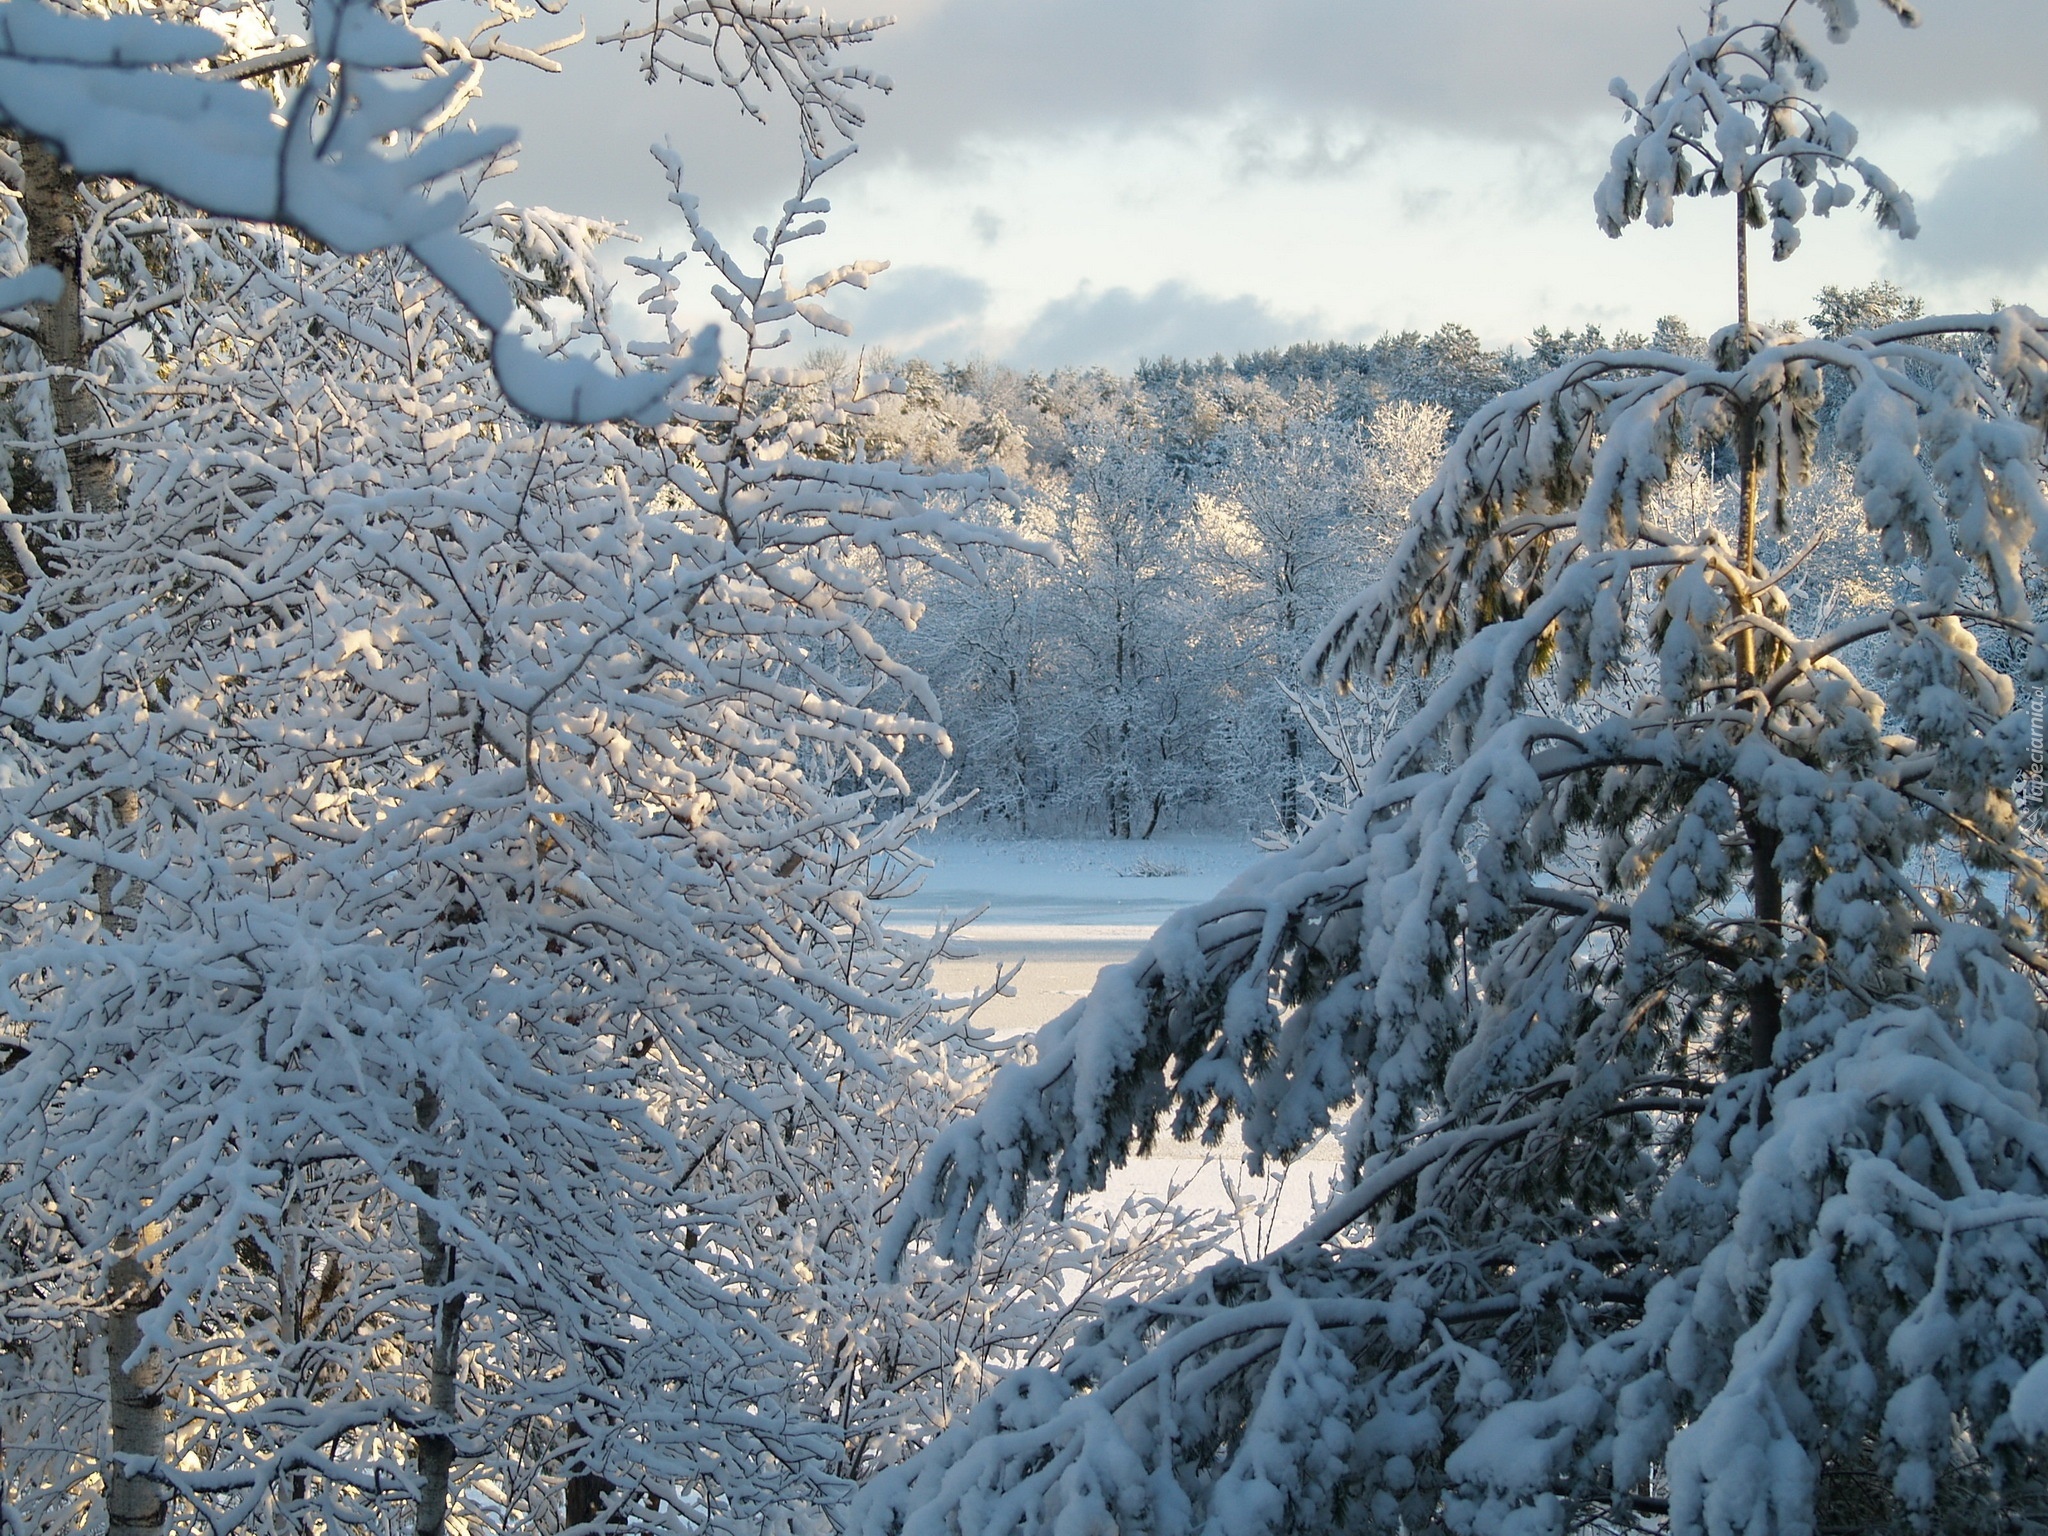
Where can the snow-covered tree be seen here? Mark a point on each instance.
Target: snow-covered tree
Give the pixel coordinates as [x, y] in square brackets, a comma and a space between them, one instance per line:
[1674, 982]
[1290, 519]
[993, 651]
[1837, 311]
[1129, 632]
[427, 833]
[454, 1063]
[1082, 685]
[1206, 526]
[1735, 115]
[118, 94]
[357, 153]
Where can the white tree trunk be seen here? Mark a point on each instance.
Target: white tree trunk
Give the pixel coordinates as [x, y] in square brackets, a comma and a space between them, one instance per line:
[52, 206]
[434, 1446]
[135, 1505]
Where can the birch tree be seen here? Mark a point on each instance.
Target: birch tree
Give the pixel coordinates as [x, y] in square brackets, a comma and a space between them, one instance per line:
[446, 847]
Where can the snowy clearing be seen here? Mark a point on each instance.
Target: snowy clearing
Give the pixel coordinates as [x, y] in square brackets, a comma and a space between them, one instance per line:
[1063, 909]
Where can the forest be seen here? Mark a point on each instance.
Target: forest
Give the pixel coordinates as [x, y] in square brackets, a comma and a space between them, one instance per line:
[1208, 517]
[467, 719]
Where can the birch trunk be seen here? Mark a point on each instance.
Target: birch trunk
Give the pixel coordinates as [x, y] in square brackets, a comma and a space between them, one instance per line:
[135, 1505]
[54, 208]
[434, 1446]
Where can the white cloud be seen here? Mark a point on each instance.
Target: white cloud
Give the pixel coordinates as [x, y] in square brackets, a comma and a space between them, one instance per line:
[1157, 233]
[919, 311]
[1054, 174]
[1119, 327]
[1985, 219]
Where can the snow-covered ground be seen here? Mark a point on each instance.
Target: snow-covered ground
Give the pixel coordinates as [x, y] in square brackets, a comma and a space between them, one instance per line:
[1063, 909]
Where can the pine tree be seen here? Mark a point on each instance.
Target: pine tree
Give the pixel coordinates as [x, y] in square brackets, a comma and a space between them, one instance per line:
[1676, 972]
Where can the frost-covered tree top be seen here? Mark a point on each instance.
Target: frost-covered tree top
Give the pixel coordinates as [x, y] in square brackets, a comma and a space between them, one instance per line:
[1737, 114]
[1673, 985]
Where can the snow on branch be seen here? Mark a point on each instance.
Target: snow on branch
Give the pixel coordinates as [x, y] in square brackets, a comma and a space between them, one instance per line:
[758, 49]
[480, 833]
[119, 97]
[1736, 114]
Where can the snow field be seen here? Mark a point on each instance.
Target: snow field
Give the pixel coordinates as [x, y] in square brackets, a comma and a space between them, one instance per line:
[1065, 908]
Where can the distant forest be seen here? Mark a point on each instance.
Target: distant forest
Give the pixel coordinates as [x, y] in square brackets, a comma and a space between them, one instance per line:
[1197, 522]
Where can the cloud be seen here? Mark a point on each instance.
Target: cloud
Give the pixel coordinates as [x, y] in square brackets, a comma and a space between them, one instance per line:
[1988, 218]
[990, 71]
[1505, 68]
[1007, 67]
[1118, 326]
[1080, 182]
[1318, 148]
[927, 311]
[1961, 56]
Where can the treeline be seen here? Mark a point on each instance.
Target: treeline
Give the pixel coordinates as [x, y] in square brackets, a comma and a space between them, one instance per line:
[1131, 675]
[1194, 524]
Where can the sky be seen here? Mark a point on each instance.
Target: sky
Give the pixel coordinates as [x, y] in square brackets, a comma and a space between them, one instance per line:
[1068, 183]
